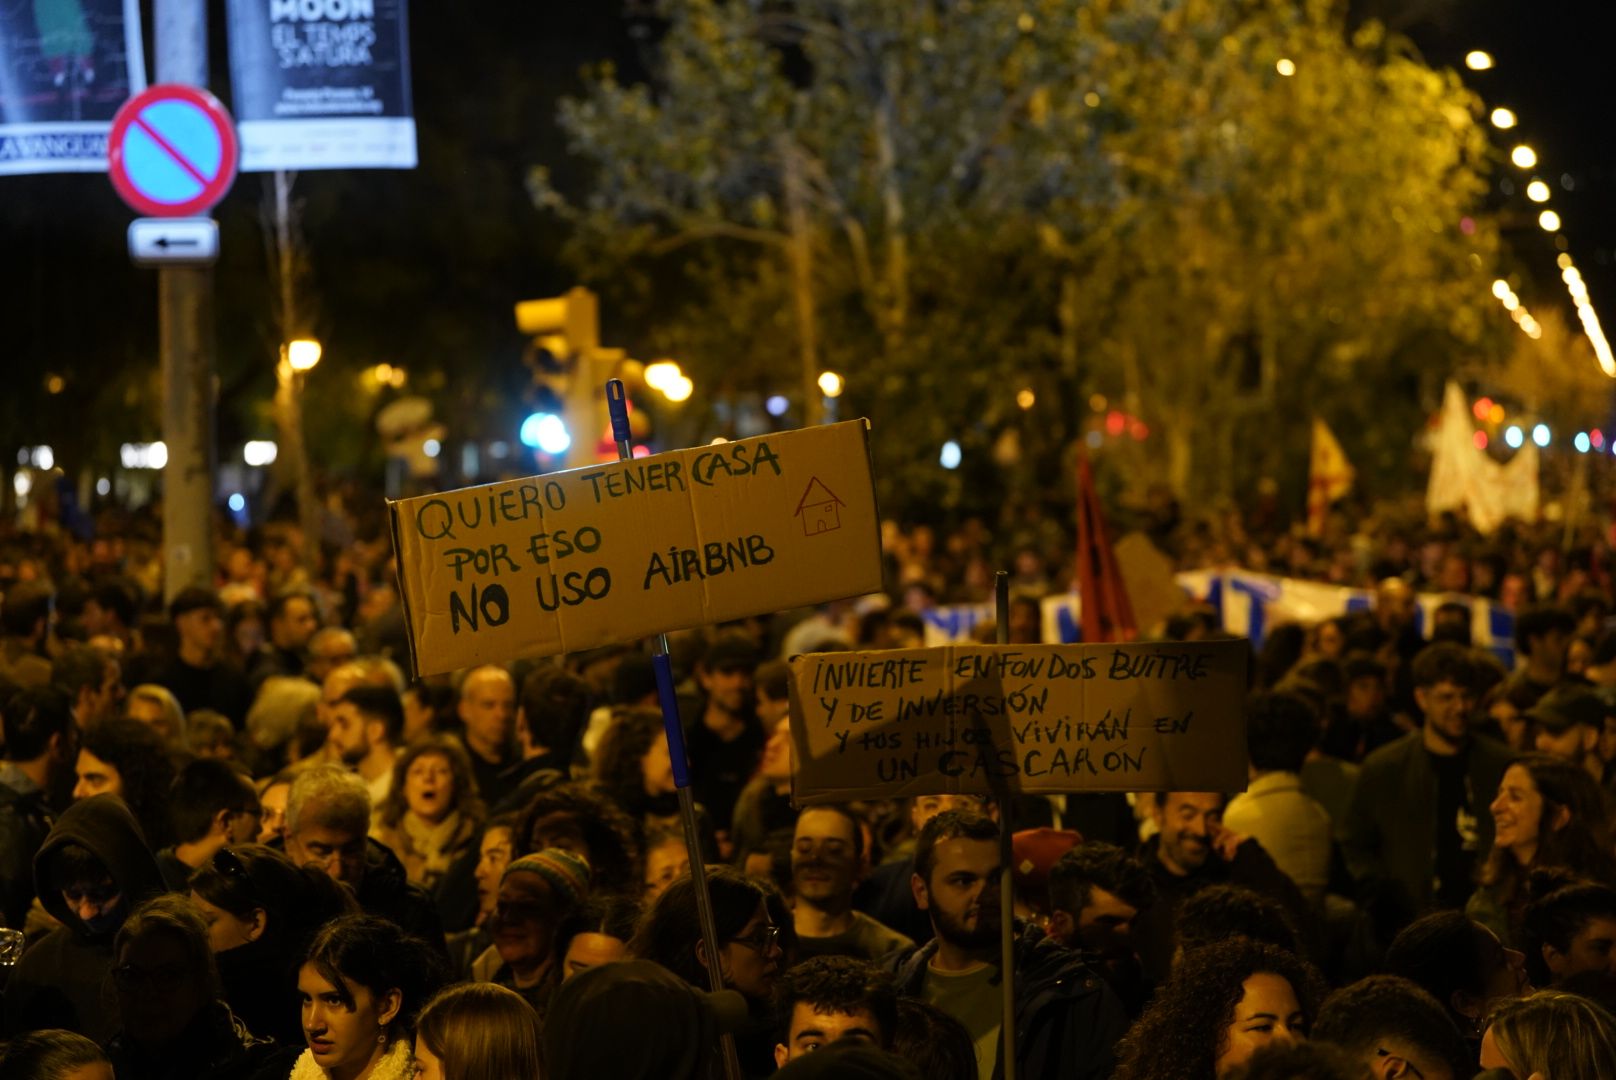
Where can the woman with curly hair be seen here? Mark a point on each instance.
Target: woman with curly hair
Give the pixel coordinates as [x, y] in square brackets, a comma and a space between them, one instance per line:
[1548, 813]
[576, 818]
[1551, 1034]
[1220, 1004]
[432, 814]
[633, 768]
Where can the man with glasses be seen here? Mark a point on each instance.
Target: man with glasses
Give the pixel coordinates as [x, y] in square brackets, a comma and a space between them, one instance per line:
[327, 822]
[1418, 817]
[827, 860]
[211, 805]
[93, 870]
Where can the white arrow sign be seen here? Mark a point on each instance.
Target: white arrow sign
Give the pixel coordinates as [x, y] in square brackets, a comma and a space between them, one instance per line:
[170, 241]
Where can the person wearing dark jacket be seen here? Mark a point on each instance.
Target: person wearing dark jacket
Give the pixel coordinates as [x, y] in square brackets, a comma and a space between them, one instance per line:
[173, 1025]
[327, 818]
[262, 912]
[93, 870]
[1192, 851]
[1067, 1020]
[41, 747]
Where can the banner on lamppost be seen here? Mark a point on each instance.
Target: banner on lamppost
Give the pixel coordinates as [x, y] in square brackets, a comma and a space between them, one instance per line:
[321, 84]
[65, 67]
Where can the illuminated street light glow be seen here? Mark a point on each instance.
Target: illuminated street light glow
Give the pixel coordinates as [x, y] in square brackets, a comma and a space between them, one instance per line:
[830, 384]
[237, 502]
[259, 452]
[679, 389]
[950, 457]
[1549, 220]
[1501, 288]
[1581, 442]
[1537, 191]
[1025, 398]
[660, 374]
[1523, 156]
[1540, 435]
[303, 354]
[1513, 437]
[776, 405]
[143, 455]
[1285, 66]
[1477, 60]
[1503, 119]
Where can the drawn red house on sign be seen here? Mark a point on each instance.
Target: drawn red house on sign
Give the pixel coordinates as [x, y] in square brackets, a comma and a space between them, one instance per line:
[817, 508]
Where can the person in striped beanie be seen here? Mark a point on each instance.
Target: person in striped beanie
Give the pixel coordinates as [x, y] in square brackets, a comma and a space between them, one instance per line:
[536, 893]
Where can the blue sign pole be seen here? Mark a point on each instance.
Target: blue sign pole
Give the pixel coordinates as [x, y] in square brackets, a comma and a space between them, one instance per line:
[617, 408]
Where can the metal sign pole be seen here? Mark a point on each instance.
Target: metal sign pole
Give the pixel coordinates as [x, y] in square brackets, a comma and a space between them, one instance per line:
[1007, 881]
[617, 407]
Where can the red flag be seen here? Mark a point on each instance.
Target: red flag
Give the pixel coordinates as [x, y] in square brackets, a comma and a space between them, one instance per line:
[1107, 614]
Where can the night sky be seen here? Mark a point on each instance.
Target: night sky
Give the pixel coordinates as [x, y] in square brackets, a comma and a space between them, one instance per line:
[438, 254]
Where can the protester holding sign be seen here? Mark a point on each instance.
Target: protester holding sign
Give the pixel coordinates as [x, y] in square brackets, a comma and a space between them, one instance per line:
[1067, 1018]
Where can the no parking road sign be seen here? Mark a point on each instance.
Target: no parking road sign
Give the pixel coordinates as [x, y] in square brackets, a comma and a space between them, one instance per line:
[172, 151]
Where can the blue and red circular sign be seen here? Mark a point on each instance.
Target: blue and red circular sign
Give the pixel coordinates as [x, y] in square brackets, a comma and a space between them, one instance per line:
[172, 151]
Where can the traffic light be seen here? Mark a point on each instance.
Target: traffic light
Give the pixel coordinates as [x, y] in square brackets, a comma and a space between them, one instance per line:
[563, 357]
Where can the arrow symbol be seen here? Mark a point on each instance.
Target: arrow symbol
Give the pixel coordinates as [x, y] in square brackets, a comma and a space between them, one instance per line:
[165, 242]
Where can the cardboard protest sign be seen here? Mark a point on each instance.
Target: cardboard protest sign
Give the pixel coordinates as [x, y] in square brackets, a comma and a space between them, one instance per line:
[986, 719]
[614, 552]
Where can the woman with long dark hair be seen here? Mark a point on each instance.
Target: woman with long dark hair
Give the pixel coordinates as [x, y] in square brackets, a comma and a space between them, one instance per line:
[633, 769]
[361, 985]
[756, 938]
[1548, 813]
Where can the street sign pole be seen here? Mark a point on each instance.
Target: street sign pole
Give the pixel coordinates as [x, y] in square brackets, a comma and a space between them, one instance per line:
[186, 341]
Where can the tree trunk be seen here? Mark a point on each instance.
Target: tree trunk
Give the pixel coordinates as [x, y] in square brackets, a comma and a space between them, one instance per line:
[800, 255]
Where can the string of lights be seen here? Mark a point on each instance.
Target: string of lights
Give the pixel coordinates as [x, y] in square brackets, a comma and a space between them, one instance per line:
[1523, 157]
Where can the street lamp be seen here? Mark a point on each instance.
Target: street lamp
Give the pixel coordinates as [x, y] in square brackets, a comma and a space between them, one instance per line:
[1523, 156]
[1503, 119]
[1537, 191]
[830, 384]
[1477, 60]
[1549, 220]
[303, 353]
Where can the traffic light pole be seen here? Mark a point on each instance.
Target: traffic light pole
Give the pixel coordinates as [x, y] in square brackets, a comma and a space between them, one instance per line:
[186, 342]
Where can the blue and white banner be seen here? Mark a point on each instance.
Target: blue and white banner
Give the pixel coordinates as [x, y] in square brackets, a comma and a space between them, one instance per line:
[322, 84]
[65, 68]
[1248, 605]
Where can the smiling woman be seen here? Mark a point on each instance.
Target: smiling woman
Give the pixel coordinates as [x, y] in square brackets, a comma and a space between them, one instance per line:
[1547, 813]
[1219, 1006]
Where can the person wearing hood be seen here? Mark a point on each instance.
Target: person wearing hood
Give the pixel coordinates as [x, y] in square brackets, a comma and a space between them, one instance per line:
[328, 815]
[92, 870]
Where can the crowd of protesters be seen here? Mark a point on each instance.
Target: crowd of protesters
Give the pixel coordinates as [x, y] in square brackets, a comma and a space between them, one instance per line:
[237, 842]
